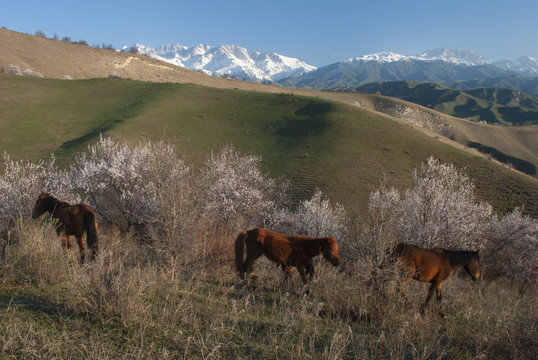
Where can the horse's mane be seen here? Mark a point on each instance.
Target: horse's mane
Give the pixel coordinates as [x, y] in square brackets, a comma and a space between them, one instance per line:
[456, 257]
[52, 203]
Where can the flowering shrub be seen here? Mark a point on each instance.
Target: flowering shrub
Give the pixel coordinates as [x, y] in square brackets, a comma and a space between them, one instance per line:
[32, 73]
[236, 189]
[441, 209]
[512, 249]
[21, 183]
[122, 183]
[317, 217]
[13, 69]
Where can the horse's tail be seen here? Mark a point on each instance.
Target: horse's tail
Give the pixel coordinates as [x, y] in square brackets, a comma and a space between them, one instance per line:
[90, 222]
[239, 246]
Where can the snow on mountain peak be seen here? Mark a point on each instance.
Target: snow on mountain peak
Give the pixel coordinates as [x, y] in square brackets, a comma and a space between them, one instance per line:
[385, 56]
[458, 56]
[228, 60]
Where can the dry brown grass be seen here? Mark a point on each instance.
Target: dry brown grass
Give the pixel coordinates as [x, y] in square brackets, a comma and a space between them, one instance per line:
[133, 304]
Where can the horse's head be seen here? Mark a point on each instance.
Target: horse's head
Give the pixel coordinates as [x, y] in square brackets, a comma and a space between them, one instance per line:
[40, 205]
[330, 251]
[472, 266]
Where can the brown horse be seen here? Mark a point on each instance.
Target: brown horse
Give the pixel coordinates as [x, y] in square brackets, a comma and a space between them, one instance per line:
[72, 220]
[434, 266]
[288, 252]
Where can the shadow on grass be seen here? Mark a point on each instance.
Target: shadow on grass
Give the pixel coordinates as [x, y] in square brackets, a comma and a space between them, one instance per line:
[519, 164]
[36, 305]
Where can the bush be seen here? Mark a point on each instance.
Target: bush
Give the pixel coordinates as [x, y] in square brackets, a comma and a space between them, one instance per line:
[512, 248]
[32, 73]
[13, 69]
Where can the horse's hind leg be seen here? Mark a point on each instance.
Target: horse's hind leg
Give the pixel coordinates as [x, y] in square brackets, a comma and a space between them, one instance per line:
[288, 272]
[248, 268]
[67, 242]
[310, 271]
[80, 242]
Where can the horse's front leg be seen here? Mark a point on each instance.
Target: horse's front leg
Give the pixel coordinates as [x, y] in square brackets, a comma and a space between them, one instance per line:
[304, 278]
[439, 294]
[433, 287]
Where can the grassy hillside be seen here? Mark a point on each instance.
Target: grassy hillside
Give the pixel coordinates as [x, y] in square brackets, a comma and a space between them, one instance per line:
[342, 149]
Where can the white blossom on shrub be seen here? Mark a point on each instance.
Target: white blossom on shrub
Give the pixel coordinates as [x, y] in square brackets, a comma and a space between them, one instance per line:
[117, 179]
[512, 249]
[237, 189]
[22, 181]
[13, 69]
[32, 73]
[318, 217]
[441, 209]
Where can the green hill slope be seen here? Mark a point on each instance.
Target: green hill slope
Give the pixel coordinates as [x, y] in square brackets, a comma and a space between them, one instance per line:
[343, 150]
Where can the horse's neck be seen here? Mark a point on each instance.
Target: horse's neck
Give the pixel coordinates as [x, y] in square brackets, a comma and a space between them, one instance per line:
[52, 204]
[314, 245]
[458, 259]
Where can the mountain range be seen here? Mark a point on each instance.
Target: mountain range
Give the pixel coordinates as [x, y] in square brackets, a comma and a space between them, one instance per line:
[228, 61]
[439, 65]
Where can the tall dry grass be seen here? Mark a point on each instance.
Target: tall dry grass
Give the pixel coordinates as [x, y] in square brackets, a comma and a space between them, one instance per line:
[133, 303]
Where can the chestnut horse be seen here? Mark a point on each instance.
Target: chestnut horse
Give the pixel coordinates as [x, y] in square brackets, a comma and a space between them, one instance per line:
[72, 220]
[434, 266]
[288, 252]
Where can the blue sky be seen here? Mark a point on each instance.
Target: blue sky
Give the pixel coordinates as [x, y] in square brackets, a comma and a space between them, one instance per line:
[317, 32]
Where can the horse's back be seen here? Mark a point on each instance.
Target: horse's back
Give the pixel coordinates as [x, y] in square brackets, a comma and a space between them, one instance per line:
[275, 246]
[427, 264]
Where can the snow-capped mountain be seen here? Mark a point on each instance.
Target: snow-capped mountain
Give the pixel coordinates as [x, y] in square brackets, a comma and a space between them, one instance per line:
[457, 56]
[228, 60]
[526, 66]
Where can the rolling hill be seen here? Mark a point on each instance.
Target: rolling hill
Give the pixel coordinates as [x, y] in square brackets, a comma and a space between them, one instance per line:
[341, 143]
[515, 83]
[491, 105]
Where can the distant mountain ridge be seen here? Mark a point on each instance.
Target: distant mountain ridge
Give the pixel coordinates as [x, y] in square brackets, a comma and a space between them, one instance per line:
[440, 65]
[500, 106]
[228, 61]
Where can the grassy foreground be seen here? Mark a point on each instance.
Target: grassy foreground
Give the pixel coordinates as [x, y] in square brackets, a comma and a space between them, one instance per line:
[134, 303]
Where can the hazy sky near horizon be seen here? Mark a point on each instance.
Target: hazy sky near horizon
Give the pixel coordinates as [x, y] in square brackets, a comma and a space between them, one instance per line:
[317, 32]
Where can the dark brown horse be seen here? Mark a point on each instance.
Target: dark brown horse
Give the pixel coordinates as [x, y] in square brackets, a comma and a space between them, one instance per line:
[434, 266]
[72, 220]
[288, 252]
